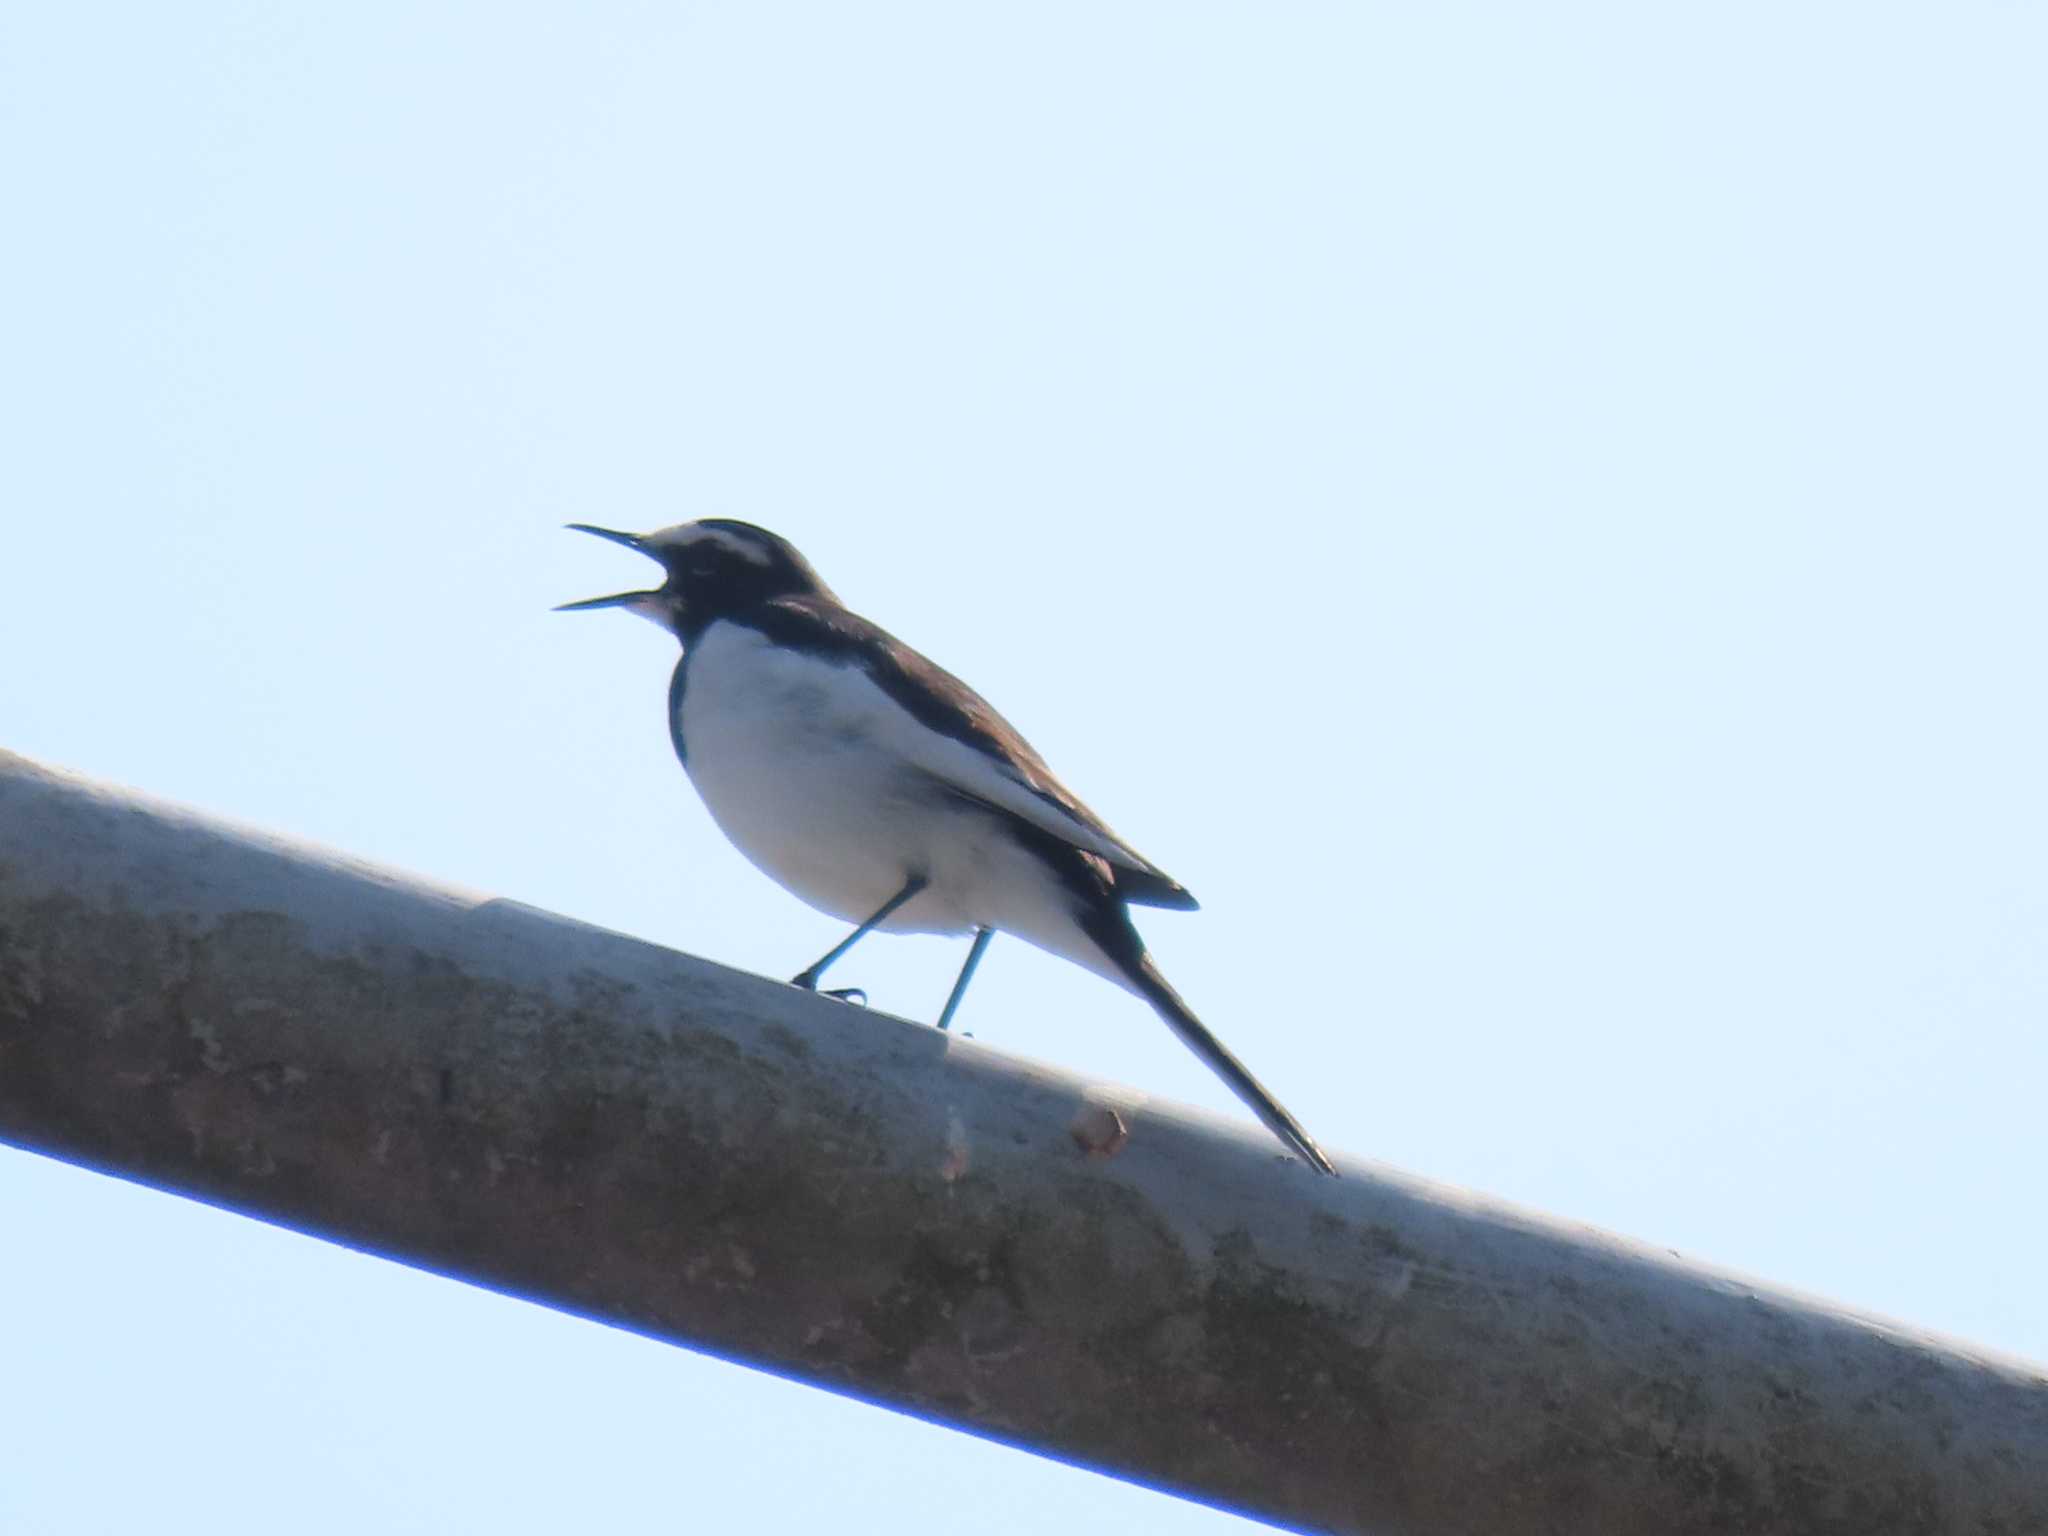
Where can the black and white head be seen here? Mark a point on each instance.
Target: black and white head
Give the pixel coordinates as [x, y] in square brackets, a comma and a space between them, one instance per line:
[716, 567]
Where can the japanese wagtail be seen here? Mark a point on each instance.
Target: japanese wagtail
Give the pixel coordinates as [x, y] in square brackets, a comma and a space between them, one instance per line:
[881, 789]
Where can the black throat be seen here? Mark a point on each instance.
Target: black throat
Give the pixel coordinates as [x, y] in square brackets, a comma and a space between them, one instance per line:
[735, 571]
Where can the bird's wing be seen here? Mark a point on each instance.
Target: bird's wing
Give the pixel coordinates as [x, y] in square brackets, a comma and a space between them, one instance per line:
[966, 745]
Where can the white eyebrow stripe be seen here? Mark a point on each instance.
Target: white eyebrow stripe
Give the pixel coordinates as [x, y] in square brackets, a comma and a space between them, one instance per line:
[684, 535]
[745, 548]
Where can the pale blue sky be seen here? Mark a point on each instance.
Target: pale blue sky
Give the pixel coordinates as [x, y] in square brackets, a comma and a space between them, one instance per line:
[1538, 515]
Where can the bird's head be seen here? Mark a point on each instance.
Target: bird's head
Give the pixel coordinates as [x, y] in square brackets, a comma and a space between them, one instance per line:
[715, 567]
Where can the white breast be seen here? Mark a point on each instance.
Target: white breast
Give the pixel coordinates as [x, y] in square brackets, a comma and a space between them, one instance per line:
[814, 774]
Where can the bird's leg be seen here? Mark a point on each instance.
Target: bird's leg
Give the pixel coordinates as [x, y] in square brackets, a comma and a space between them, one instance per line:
[807, 978]
[981, 938]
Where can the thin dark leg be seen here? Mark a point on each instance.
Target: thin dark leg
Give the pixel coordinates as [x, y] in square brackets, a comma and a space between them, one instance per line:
[808, 976]
[981, 938]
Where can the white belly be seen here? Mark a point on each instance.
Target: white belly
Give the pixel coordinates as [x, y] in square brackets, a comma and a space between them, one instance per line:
[804, 766]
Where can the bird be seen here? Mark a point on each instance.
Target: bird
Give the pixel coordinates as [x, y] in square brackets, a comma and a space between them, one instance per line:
[880, 789]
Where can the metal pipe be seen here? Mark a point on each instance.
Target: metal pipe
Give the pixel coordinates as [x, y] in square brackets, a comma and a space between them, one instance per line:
[875, 1207]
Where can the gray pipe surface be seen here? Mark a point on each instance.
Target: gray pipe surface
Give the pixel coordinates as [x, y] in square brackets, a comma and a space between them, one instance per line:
[639, 1136]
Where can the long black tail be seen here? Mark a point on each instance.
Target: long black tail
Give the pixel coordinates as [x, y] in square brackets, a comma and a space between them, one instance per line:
[1154, 988]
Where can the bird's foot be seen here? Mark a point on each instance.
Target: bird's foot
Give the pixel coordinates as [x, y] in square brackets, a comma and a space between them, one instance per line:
[808, 980]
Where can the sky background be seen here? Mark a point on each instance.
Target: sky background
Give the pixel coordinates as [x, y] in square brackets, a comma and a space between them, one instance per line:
[1537, 515]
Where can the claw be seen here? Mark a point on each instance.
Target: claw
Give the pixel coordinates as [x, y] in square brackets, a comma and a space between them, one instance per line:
[808, 980]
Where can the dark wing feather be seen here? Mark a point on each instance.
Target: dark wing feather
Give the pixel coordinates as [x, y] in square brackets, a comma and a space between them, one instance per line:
[942, 703]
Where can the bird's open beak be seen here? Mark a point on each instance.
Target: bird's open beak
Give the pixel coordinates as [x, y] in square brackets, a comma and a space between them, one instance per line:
[634, 600]
[616, 600]
[630, 540]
